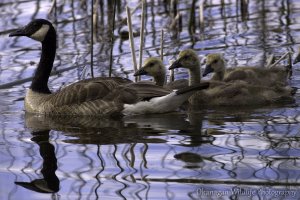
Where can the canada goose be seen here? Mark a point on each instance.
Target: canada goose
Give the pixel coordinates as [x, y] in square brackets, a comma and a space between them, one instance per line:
[236, 92]
[253, 75]
[154, 67]
[97, 96]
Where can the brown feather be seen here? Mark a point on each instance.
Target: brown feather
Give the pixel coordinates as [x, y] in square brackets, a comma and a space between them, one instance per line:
[86, 90]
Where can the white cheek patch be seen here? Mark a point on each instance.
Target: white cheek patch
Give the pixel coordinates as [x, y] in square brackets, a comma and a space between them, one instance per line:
[41, 33]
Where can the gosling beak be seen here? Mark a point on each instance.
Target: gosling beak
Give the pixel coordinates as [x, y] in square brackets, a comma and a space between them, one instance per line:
[208, 69]
[140, 72]
[19, 32]
[176, 64]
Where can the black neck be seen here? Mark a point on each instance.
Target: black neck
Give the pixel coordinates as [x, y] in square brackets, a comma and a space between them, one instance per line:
[40, 80]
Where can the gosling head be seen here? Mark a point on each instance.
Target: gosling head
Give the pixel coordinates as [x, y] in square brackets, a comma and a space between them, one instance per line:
[37, 29]
[214, 63]
[152, 67]
[186, 59]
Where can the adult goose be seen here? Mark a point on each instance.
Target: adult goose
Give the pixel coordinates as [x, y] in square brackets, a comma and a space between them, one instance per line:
[155, 68]
[104, 96]
[238, 91]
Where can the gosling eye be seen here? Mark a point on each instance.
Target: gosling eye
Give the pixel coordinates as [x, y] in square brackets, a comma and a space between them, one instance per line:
[215, 61]
[151, 64]
[185, 57]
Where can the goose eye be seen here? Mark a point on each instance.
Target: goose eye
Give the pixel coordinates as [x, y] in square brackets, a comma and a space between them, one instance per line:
[34, 24]
[215, 61]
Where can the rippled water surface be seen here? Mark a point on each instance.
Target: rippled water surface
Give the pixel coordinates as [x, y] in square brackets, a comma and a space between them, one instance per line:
[224, 153]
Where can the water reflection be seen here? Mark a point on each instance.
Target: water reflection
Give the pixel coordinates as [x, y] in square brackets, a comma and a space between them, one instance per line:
[136, 157]
[91, 130]
[116, 151]
[49, 183]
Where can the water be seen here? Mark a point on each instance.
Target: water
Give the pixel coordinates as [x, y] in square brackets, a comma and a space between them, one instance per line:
[240, 153]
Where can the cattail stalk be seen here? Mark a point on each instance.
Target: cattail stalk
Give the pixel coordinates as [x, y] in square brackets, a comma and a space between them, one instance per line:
[142, 35]
[131, 39]
[112, 40]
[201, 15]
[92, 40]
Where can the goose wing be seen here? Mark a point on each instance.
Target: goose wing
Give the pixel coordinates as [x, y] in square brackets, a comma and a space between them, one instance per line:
[147, 91]
[86, 90]
[135, 92]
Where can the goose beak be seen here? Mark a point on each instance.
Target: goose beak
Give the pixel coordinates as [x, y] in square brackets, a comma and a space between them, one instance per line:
[208, 69]
[140, 72]
[176, 64]
[19, 32]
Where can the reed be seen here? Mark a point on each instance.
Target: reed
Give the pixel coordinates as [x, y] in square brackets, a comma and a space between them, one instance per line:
[132, 12]
[53, 9]
[142, 30]
[131, 39]
[290, 65]
[270, 60]
[92, 40]
[176, 17]
[112, 39]
[24, 80]
[174, 7]
[244, 9]
[95, 20]
[290, 60]
[280, 59]
[162, 44]
[201, 15]
[192, 20]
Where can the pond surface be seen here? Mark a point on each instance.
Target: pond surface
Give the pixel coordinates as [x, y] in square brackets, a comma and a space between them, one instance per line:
[224, 153]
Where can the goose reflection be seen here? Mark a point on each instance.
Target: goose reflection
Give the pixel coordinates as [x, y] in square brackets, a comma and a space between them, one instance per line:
[101, 131]
[49, 183]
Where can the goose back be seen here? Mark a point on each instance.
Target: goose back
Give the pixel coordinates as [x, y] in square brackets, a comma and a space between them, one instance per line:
[241, 93]
[252, 75]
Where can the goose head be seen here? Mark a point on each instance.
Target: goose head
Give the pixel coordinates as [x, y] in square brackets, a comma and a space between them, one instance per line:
[41, 30]
[214, 63]
[152, 67]
[37, 29]
[186, 59]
